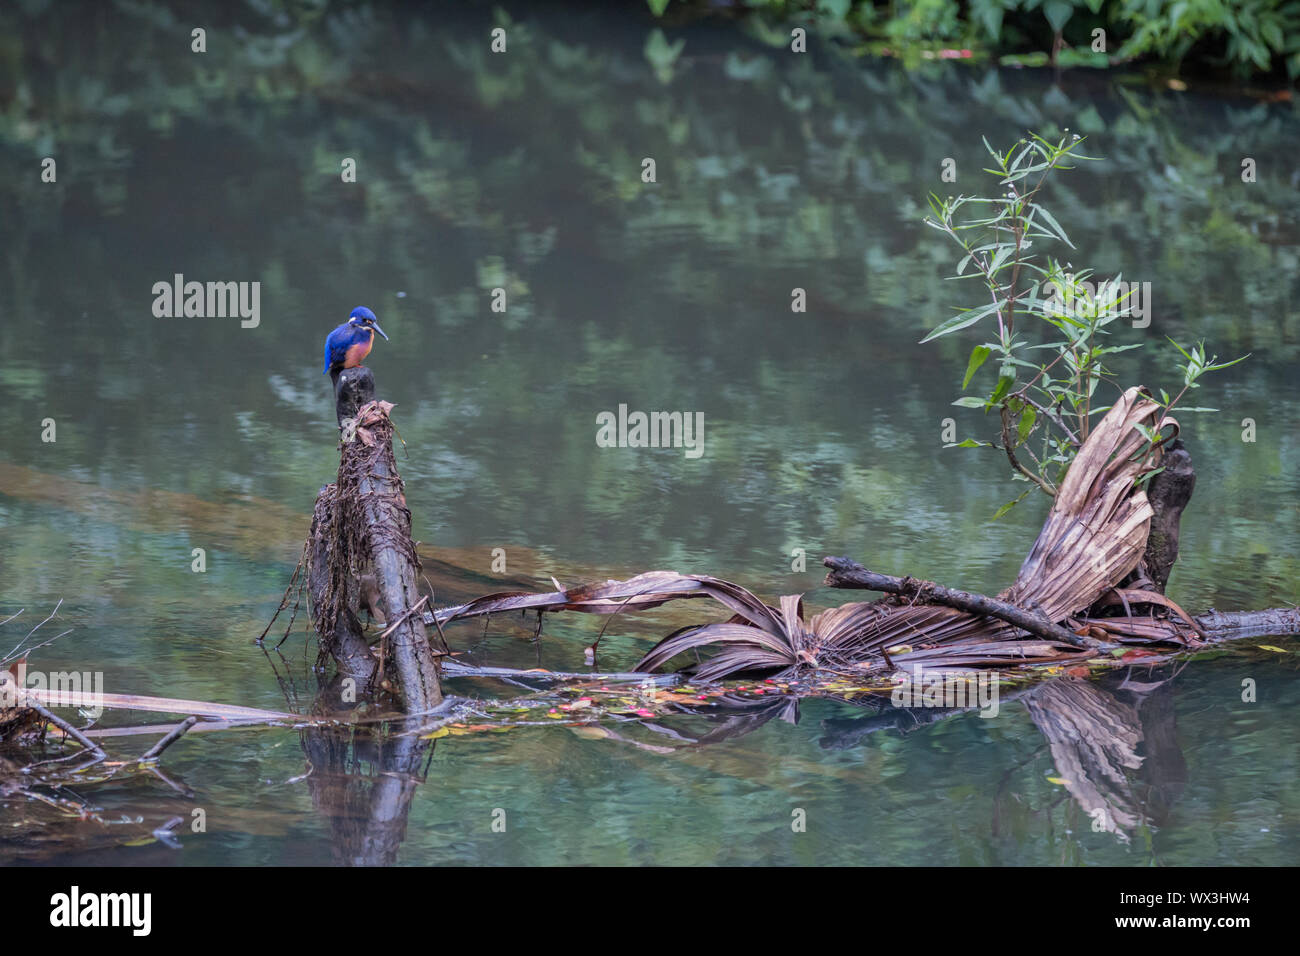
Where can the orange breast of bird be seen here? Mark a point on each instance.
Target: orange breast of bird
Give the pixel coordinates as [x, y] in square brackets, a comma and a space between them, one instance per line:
[356, 353]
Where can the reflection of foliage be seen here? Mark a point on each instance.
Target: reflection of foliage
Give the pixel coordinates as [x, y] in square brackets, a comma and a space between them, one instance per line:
[1259, 36]
[523, 170]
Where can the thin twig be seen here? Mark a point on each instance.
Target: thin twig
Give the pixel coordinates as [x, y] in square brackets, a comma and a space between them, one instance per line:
[401, 620]
[27, 651]
[1015, 462]
[446, 648]
[35, 629]
[1050, 414]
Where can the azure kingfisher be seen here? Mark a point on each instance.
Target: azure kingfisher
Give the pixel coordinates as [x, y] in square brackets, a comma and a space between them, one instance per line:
[350, 343]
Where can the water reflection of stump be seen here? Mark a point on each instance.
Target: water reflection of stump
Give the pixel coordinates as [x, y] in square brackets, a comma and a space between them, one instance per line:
[362, 781]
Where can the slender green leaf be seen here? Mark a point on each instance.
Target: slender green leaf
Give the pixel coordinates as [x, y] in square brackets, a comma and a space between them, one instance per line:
[965, 319]
[977, 357]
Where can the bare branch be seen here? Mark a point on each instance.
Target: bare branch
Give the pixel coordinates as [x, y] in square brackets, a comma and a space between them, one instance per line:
[177, 732]
[846, 573]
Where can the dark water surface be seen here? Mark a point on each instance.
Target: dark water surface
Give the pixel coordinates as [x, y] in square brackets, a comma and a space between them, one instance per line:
[822, 430]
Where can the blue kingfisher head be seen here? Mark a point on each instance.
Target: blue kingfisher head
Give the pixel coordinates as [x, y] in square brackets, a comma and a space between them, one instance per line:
[363, 318]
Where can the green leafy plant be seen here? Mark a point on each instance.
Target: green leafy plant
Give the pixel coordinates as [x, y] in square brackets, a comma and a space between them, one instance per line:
[1046, 406]
[1254, 34]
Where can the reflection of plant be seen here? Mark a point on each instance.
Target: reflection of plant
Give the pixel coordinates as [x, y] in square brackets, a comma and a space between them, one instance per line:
[1249, 35]
[662, 55]
[1056, 394]
[806, 185]
[924, 20]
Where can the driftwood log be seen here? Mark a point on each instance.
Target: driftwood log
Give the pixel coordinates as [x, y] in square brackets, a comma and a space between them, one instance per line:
[1084, 587]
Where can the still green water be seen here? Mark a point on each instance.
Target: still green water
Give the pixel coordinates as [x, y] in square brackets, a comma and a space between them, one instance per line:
[522, 171]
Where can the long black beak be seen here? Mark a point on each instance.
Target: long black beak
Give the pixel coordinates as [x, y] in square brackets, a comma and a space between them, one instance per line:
[379, 330]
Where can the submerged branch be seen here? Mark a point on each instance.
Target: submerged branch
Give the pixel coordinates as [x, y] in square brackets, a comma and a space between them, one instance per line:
[67, 728]
[455, 668]
[177, 732]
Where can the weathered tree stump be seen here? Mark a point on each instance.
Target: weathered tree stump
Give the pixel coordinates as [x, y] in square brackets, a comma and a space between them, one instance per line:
[1169, 492]
[353, 387]
[344, 638]
[362, 528]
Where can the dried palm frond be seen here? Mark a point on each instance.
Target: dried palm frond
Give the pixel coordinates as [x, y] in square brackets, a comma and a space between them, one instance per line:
[1094, 536]
[991, 654]
[756, 637]
[646, 590]
[1097, 529]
